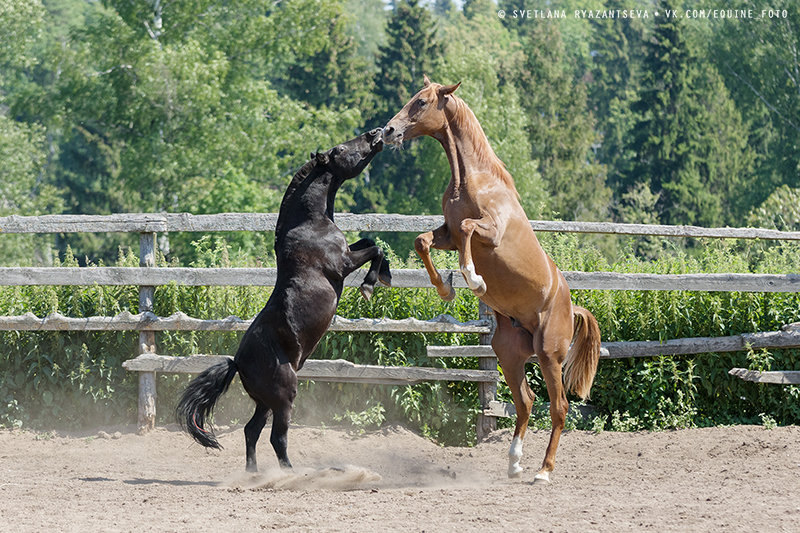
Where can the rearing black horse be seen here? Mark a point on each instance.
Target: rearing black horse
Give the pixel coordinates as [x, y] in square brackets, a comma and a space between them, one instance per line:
[313, 261]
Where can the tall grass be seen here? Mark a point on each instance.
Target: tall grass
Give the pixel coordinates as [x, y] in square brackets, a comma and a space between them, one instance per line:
[58, 379]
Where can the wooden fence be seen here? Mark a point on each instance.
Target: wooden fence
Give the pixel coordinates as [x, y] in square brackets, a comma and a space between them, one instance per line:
[147, 276]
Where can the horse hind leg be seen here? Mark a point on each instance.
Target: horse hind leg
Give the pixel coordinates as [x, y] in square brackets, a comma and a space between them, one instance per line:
[279, 438]
[551, 371]
[252, 431]
[513, 347]
[555, 338]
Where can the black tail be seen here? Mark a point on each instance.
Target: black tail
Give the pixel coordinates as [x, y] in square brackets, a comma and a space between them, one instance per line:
[199, 398]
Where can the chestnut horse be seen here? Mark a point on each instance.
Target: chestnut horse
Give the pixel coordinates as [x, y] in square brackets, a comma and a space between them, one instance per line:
[503, 264]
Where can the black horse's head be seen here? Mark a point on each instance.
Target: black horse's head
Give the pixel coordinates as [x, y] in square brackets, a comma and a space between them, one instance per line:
[348, 159]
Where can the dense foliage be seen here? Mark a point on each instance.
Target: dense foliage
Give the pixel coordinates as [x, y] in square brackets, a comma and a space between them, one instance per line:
[198, 106]
[67, 379]
[207, 107]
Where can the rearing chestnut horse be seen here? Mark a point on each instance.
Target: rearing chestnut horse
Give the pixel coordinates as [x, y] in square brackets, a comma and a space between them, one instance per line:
[503, 264]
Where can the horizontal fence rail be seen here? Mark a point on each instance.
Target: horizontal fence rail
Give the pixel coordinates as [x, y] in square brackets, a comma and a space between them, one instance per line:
[336, 370]
[168, 222]
[787, 337]
[147, 277]
[401, 278]
[126, 321]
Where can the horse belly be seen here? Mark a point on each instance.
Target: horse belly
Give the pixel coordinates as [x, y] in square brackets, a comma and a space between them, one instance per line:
[519, 280]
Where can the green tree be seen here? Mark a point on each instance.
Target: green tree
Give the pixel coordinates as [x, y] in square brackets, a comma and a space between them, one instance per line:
[617, 52]
[412, 49]
[561, 128]
[154, 109]
[758, 59]
[399, 181]
[366, 21]
[690, 141]
[335, 76]
[22, 146]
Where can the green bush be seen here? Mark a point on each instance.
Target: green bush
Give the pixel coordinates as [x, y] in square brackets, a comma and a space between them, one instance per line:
[75, 379]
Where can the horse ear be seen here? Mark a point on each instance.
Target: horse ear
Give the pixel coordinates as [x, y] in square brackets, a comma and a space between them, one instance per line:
[448, 89]
[312, 155]
[426, 80]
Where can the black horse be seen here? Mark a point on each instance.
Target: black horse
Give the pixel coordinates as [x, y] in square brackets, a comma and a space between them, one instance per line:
[313, 261]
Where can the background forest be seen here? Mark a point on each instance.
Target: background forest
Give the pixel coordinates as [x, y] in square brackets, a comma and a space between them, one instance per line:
[203, 106]
[206, 107]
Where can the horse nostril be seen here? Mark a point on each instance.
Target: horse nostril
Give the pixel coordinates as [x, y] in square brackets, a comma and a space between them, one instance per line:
[388, 130]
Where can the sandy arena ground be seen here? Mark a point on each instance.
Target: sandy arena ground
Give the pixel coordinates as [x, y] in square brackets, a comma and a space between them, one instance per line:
[743, 478]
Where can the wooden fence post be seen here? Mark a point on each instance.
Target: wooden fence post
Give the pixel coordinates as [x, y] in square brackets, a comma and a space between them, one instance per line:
[147, 339]
[487, 392]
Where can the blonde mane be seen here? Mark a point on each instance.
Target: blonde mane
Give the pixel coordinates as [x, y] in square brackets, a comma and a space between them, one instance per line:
[466, 125]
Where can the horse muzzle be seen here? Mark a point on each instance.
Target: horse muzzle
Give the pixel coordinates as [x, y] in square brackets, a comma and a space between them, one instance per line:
[375, 137]
[392, 136]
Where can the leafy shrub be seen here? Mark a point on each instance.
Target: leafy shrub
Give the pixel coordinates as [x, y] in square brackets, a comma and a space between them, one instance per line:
[69, 379]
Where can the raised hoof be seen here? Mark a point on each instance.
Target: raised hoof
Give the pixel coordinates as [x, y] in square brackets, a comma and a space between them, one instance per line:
[514, 471]
[542, 477]
[366, 291]
[447, 293]
[474, 281]
[385, 279]
[481, 290]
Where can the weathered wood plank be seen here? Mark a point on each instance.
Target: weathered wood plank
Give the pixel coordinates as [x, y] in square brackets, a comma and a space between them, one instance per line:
[500, 410]
[159, 222]
[471, 350]
[126, 321]
[402, 278]
[123, 222]
[684, 282]
[779, 377]
[507, 410]
[315, 369]
[788, 337]
[437, 324]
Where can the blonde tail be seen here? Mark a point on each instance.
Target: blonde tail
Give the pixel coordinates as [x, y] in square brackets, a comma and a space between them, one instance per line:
[581, 364]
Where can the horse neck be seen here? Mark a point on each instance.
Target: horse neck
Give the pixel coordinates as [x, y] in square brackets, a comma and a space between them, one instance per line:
[468, 150]
[307, 198]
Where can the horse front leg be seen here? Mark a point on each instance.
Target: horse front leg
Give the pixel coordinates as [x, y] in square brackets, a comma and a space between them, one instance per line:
[488, 232]
[439, 239]
[359, 253]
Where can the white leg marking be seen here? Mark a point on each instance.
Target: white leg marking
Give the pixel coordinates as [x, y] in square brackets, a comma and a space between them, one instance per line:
[474, 280]
[514, 455]
[542, 477]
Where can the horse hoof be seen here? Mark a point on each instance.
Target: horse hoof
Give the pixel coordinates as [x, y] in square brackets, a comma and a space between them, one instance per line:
[515, 471]
[366, 291]
[480, 290]
[542, 477]
[386, 280]
[447, 293]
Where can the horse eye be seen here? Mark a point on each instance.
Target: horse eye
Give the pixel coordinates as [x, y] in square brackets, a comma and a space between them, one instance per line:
[422, 103]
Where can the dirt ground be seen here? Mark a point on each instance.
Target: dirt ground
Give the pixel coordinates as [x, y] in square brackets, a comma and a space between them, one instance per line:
[743, 478]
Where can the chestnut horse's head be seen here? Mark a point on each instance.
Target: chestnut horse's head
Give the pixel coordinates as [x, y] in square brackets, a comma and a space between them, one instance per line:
[424, 114]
